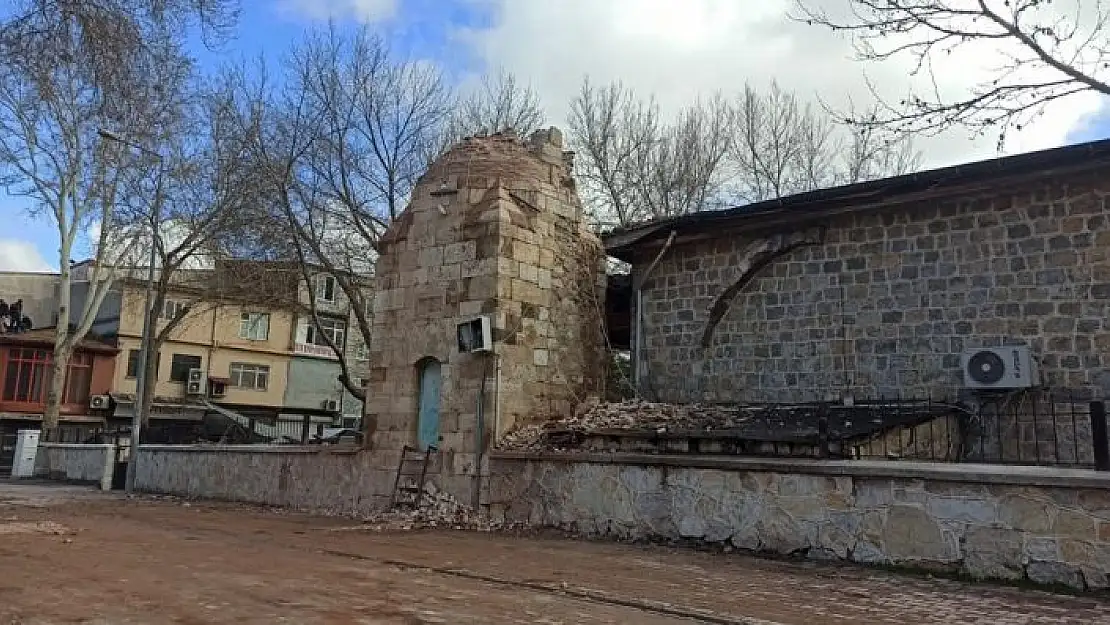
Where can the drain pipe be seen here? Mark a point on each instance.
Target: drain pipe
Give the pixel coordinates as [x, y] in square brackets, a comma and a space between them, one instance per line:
[638, 287]
[478, 434]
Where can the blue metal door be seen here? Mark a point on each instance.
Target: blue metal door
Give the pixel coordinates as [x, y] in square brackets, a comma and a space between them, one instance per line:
[427, 428]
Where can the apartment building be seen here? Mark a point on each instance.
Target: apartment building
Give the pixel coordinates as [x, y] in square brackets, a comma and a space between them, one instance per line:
[242, 348]
[315, 388]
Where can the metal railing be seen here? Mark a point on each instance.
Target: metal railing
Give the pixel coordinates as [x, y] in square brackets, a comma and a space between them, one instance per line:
[1034, 427]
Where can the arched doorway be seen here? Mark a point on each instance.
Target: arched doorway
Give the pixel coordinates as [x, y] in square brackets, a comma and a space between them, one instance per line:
[427, 422]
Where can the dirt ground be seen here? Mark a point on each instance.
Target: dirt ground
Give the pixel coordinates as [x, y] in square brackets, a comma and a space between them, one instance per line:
[71, 555]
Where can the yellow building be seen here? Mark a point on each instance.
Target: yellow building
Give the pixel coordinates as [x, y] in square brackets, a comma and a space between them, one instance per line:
[241, 339]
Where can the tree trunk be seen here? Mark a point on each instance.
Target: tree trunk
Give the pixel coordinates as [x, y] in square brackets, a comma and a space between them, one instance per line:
[149, 383]
[52, 413]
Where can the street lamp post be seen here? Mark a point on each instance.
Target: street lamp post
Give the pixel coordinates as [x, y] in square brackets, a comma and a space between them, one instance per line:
[142, 386]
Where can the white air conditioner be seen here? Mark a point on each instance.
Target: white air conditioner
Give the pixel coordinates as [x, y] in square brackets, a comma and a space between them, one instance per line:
[1009, 367]
[195, 384]
[100, 402]
[331, 405]
[474, 335]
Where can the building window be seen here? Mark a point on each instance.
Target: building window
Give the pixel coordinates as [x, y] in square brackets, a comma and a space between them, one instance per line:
[325, 288]
[254, 377]
[78, 379]
[172, 310]
[333, 328]
[133, 363]
[28, 376]
[27, 379]
[254, 326]
[180, 366]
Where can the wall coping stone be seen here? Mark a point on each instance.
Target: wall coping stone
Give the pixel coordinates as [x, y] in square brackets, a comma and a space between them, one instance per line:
[76, 446]
[954, 472]
[259, 449]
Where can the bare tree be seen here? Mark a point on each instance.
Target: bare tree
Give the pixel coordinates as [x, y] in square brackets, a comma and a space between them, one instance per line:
[499, 102]
[633, 166]
[183, 209]
[610, 128]
[339, 148]
[112, 39]
[781, 146]
[1049, 51]
[681, 170]
[52, 106]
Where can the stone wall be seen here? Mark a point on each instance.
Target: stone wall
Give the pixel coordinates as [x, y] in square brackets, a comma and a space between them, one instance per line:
[886, 301]
[1042, 525]
[494, 228]
[71, 462]
[305, 478]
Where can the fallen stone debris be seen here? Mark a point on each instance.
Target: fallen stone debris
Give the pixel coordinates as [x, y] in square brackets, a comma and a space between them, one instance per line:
[437, 510]
[629, 415]
[756, 422]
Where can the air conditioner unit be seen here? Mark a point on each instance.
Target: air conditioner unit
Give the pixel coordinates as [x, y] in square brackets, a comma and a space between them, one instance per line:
[195, 384]
[331, 405]
[1009, 367]
[474, 335]
[100, 402]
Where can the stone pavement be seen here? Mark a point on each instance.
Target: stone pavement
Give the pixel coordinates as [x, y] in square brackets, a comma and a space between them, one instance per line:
[161, 561]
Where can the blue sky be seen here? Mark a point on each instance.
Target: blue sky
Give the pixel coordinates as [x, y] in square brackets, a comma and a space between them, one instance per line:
[675, 49]
[421, 29]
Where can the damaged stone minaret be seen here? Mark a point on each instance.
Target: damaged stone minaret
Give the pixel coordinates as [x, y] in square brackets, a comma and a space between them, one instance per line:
[494, 228]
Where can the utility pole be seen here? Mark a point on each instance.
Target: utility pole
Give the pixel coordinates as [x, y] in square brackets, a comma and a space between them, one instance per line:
[142, 385]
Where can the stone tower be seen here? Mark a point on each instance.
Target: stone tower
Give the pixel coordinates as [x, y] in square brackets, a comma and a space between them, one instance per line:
[494, 228]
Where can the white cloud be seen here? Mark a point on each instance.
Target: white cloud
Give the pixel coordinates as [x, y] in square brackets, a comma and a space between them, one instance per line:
[18, 255]
[678, 49]
[361, 10]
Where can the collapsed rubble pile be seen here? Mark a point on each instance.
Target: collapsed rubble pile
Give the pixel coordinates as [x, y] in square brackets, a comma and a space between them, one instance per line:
[437, 510]
[627, 415]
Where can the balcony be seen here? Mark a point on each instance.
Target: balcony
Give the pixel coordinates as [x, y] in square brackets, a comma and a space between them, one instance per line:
[318, 351]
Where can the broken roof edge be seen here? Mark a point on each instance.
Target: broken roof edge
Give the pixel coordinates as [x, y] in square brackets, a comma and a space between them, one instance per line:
[620, 242]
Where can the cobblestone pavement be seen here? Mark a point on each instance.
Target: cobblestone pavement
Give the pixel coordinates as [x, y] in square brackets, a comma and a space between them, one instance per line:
[75, 557]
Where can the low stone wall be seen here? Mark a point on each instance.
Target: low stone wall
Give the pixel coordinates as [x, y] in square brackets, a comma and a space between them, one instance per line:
[306, 478]
[92, 464]
[333, 480]
[1048, 526]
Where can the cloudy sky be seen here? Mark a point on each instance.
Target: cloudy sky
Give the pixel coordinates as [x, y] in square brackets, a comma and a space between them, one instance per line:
[675, 49]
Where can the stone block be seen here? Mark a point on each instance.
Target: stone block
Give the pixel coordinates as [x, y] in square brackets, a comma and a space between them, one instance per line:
[1024, 513]
[459, 252]
[993, 553]
[526, 253]
[970, 510]
[1055, 573]
[910, 534]
[527, 292]
[430, 256]
[1074, 524]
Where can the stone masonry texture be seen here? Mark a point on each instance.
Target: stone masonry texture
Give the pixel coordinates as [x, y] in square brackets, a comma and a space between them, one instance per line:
[494, 228]
[888, 300]
[1046, 535]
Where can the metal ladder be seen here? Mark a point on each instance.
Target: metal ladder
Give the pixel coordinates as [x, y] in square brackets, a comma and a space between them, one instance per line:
[409, 493]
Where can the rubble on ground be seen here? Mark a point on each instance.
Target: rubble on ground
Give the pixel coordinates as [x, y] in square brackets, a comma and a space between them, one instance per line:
[437, 510]
[627, 415]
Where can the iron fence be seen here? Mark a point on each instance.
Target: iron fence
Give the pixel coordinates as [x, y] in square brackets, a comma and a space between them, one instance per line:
[1028, 427]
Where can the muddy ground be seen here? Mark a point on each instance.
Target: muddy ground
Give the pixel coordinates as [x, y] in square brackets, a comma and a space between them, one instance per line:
[71, 555]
